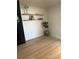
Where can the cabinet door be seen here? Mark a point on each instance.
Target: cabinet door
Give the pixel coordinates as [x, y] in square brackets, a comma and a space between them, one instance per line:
[25, 17]
[32, 29]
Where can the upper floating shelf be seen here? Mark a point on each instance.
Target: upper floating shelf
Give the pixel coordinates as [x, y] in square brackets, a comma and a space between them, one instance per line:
[33, 14]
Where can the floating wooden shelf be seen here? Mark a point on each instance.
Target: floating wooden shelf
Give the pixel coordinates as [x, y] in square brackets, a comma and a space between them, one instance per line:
[30, 20]
[33, 14]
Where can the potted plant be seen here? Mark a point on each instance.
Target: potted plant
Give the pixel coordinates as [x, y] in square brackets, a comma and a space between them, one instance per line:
[45, 26]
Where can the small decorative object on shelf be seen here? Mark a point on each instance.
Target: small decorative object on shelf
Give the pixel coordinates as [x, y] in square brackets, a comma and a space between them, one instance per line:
[46, 31]
[40, 18]
[31, 17]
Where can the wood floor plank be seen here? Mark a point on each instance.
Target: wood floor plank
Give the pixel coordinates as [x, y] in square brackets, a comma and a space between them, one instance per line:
[40, 48]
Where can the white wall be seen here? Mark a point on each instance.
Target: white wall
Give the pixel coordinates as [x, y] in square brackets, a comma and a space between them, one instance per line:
[54, 19]
[52, 15]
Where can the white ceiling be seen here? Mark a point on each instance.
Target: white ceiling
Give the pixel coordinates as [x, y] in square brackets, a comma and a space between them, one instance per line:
[40, 3]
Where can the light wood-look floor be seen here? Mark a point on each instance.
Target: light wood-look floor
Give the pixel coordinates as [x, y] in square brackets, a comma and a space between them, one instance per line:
[40, 48]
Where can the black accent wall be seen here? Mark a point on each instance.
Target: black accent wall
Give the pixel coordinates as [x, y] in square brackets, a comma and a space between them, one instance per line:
[20, 31]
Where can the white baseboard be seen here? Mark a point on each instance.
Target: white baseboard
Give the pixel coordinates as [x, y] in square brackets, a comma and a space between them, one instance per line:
[55, 35]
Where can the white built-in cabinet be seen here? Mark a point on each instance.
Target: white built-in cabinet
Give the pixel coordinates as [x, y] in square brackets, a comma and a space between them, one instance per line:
[32, 28]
